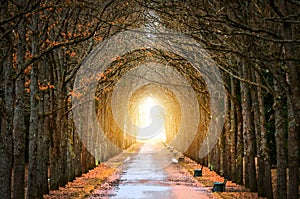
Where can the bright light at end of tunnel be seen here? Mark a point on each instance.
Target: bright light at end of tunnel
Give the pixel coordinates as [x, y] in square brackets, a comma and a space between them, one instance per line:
[149, 102]
[144, 108]
[150, 121]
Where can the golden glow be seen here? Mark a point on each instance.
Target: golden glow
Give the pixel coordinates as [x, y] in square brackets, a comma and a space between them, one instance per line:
[151, 120]
[144, 108]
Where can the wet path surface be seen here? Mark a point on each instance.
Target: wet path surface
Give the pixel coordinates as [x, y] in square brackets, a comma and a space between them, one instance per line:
[153, 173]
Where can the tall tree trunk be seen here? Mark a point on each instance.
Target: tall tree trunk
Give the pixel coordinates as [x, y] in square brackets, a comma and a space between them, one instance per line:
[221, 154]
[54, 139]
[43, 145]
[19, 123]
[78, 150]
[293, 152]
[6, 138]
[289, 33]
[63, 128]
[6, 134]
[250, 170]
[217, 156]
[280, 137]
[263, 141]
[232, 130]
[294, 128]
[257, 124]
[33, 188]
[239, 142]
[293, 107]
[61, 117]
[227, 141]
[244, 134]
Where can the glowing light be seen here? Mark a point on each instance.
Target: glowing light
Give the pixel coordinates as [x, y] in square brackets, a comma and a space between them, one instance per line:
[144, 111]
[151, 121]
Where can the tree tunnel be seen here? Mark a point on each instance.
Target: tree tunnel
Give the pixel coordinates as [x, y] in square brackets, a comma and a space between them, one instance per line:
[85, 79]
[143, 90]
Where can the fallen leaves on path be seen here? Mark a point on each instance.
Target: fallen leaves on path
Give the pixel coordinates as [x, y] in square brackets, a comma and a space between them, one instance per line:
[208, 178]
[82, 186]
[102, 177]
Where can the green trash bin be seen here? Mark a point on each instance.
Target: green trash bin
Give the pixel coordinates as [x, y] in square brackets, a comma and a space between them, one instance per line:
[218, 187]
[197, 172]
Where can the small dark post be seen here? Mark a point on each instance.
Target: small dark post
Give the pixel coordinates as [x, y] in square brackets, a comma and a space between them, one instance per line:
[181, 159]
[220, 186]
[198, 172]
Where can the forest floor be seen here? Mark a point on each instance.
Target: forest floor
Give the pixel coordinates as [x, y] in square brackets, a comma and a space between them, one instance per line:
[106, 177]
